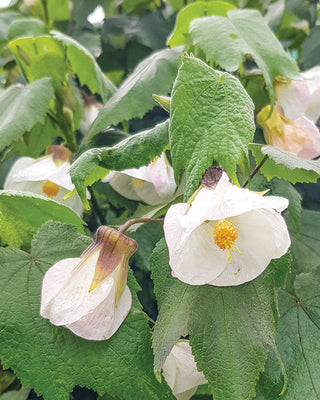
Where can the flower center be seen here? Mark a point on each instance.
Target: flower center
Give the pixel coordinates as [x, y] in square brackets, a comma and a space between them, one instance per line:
[137, 183]
[225, 235]
[50, 189]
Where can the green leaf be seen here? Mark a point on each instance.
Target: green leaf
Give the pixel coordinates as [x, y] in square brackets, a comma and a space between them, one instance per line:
[58, 10]
[192, 11]
[6, 19]
[120, 366]
[23, 107]
[211, 119]
[298, 343]
[133, 152]
[311, 48]
[155, 74]
[21, 394]
[23, 213]
[26, 27]
[34, 142]
[243, 32]
[40, 57]
[85, 67]
[305, 245]
[230, 328]
[293, 212]
[285, 165]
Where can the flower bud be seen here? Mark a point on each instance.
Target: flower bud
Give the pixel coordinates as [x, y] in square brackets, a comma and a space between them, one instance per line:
[89, 295]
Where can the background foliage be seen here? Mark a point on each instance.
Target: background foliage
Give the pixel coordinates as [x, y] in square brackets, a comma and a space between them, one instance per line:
[217, 61]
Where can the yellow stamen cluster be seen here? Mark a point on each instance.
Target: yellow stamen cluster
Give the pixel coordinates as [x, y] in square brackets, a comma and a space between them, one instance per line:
[225, 235]
[137, 183]
[50, 189]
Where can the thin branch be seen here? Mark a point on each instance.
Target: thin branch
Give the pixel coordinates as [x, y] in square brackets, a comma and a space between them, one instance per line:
[256, 170]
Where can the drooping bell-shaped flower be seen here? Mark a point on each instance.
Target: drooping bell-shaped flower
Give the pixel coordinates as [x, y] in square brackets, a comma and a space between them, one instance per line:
[154, 184]
[300, 137]
[299, 98]
[180, 371]
[226, 237]
[48, 176]
[89, 295]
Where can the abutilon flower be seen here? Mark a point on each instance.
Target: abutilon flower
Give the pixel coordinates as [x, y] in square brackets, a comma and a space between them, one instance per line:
[180, 371]
[154, 184]
[300, 137]
[291, 126]
[227, 236]
[89, 295]
[48, 176]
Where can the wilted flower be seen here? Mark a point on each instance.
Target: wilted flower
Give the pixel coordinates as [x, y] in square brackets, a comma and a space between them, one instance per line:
[48, 176]
[300, 137]
[226, 237]
[180, 371]
[89, 295]
[154, 184]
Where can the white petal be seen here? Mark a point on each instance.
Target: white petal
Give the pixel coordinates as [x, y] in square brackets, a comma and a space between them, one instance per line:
[196, 259]
[226, 201]
[293, 98]
[74, 300]
[311, 146]
[105, 320]
[162, 177]
[14, 175]
[312, 77]
[180, 371]
[121, 183]
[262, 236]
[54, 280]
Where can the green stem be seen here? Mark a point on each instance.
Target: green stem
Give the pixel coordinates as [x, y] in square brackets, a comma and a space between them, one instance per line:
[133, 221]
[96, 207]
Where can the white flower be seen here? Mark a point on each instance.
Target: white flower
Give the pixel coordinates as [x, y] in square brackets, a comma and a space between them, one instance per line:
[48, 176]
[227, 237]
[291, 126]
[300, 98]
[180, 371]
[89, 295]
[300, 136]
[154, 184]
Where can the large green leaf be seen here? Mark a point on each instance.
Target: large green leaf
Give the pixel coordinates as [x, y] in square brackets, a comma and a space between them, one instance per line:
[39, 57]
[211, 119]
[23, 213]
[230, 328]
[155, 74]
[51, 359]
[243, 32]
[306, 244]
[133, 152]
[85, 67]
[192, 11]
[311, 48]
[298, 343]
[21, 107]
[285, 165]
